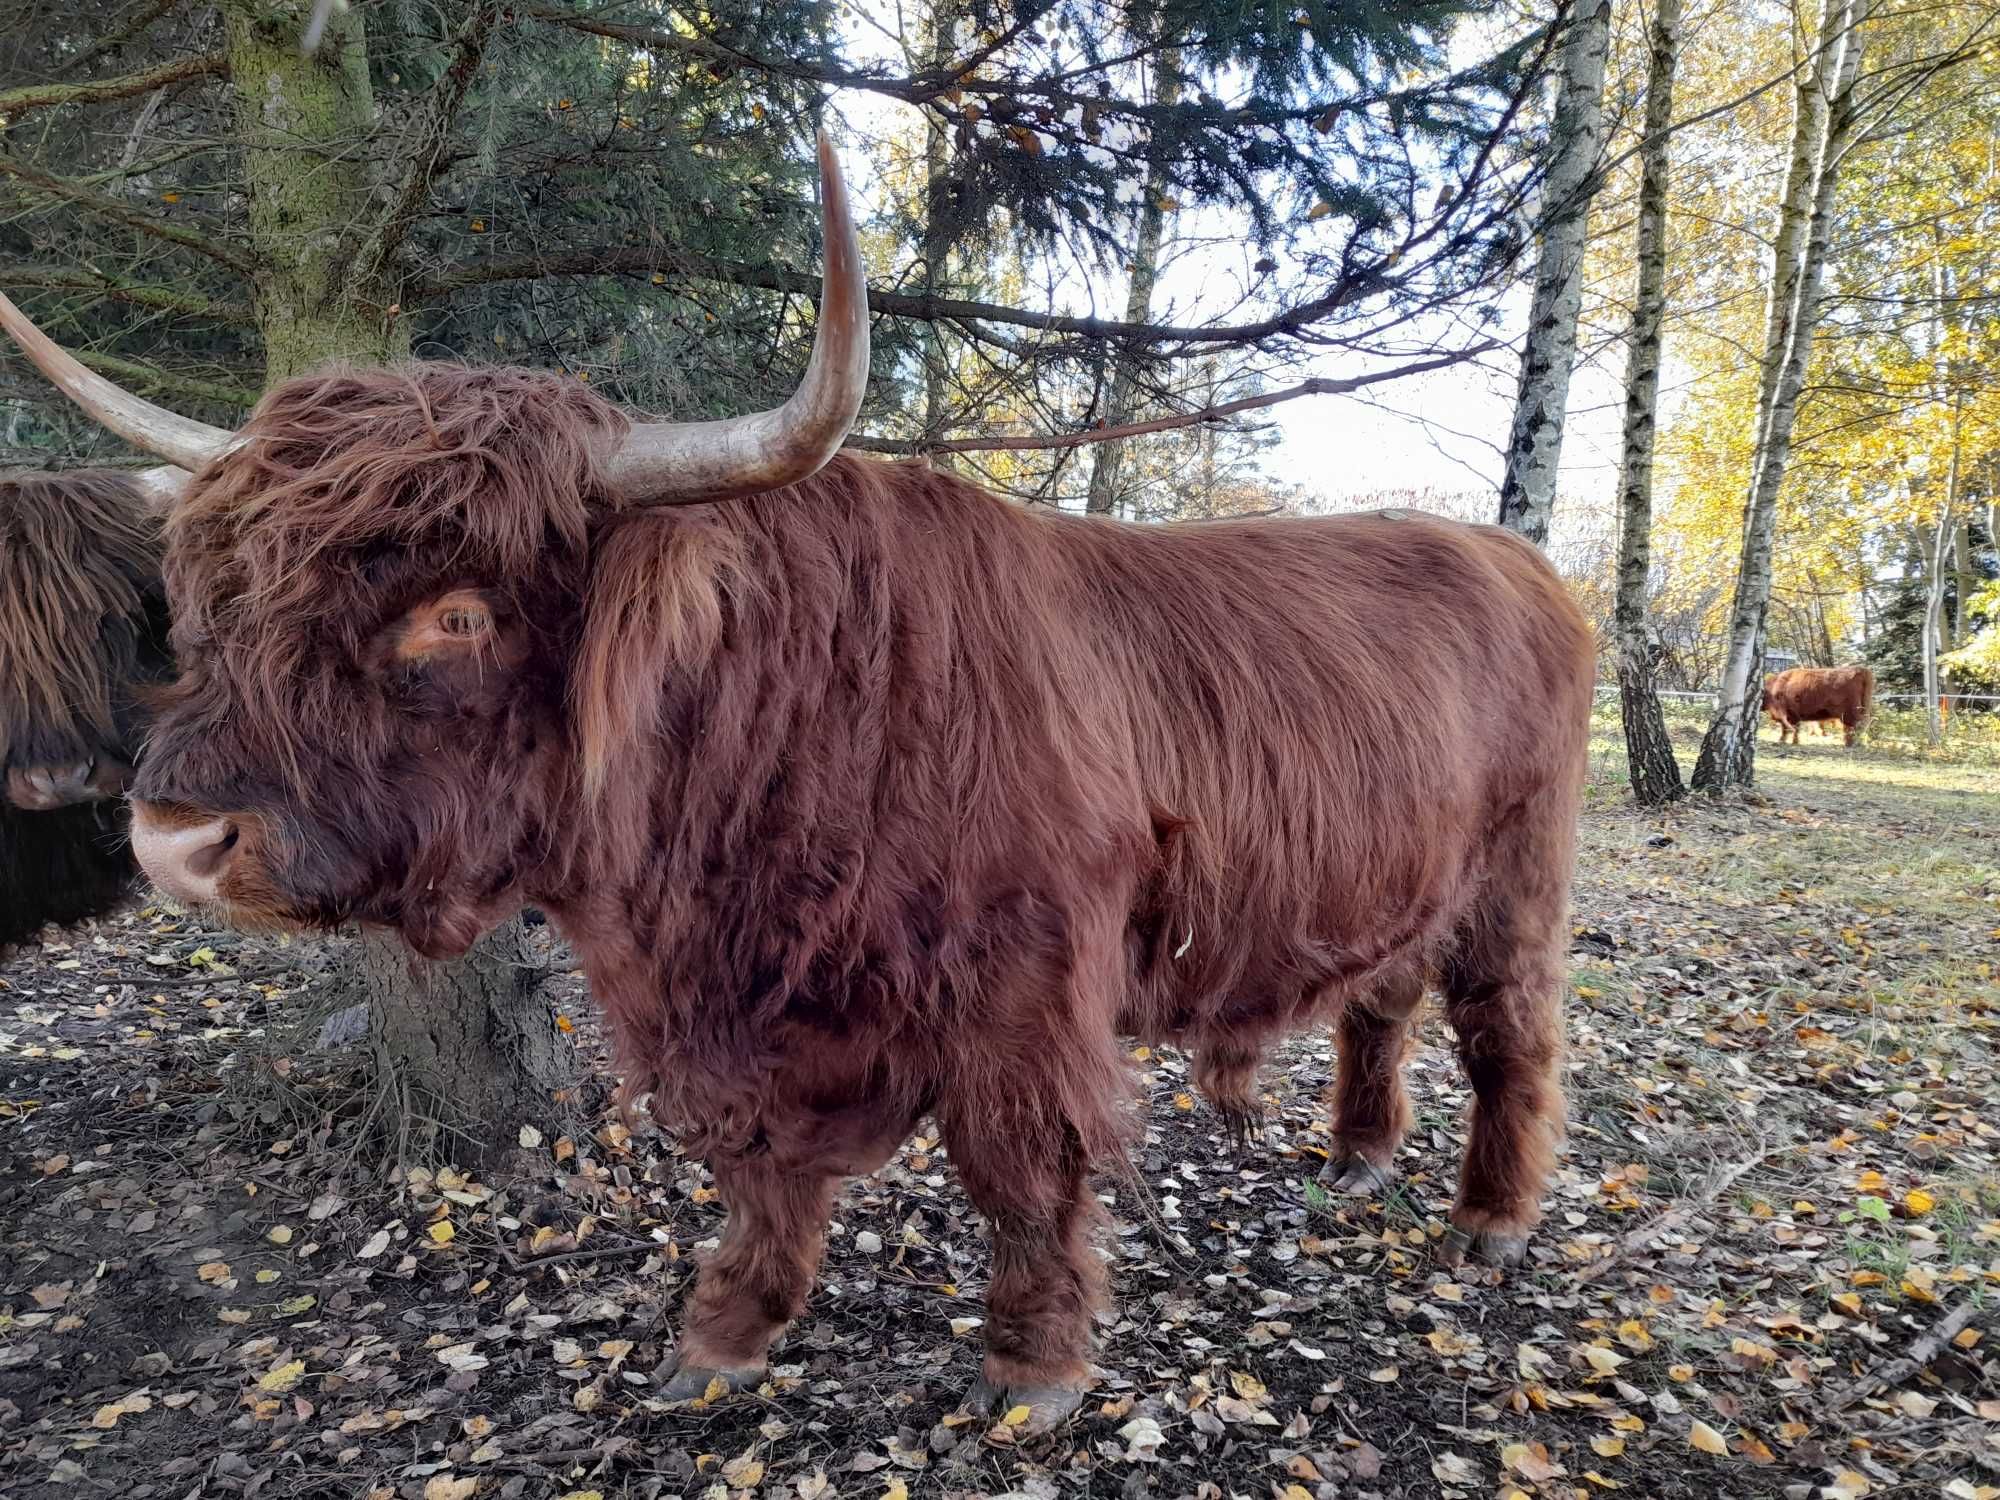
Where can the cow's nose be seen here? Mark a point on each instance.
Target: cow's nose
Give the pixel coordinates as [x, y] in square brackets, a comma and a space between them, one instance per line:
[183, 852]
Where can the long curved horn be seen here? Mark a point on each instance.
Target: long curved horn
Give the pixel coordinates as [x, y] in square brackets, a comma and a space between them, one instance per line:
[180, 440]
[676, 463]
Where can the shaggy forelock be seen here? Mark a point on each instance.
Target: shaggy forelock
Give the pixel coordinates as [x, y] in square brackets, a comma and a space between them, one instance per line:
[418, 472]
[491, 464]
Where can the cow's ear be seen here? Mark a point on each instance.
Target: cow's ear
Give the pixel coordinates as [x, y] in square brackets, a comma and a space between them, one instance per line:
[463, 625]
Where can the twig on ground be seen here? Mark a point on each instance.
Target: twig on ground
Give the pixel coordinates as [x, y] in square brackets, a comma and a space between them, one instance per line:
[1717, 1184]
[1896, 1371]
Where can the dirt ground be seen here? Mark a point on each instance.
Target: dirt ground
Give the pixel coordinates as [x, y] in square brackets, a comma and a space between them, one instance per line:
[1769, 1267]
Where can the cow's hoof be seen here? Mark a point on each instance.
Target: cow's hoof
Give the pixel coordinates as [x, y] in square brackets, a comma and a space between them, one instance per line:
[1354, 1175]
[697, 1382]
[1049, 1406]
[1488, 1246]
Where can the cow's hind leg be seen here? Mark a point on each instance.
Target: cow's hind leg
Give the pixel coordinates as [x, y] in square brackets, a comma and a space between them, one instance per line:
[1225, 1072]
[1370, 1110]
[1503, 995]
[757, 1280]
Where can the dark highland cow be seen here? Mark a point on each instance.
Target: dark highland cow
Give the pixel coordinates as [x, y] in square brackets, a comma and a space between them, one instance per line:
[865, 795]
[83, 625]
[1826, 695]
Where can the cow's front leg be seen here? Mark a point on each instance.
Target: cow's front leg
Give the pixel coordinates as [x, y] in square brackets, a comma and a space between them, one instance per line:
[1030, 1182]
[758, 1278]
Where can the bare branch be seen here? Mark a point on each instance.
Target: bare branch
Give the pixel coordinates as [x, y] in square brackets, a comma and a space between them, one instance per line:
[145, 378]
[159, 298]
[424, 143]
[643, 260]
[119, 37]
[124, 213]
[14, 103]
[1314, 387]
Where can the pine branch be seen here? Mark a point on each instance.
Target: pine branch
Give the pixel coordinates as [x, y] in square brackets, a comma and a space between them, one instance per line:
[14, 103]
[1318, 386]
[144, 378]
[424, 144]
[121, 212]
[159, 298]
[640, 260]
[119, 37]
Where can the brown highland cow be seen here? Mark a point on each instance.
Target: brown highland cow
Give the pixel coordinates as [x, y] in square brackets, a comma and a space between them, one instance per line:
[1803, 695]
[865, 795]
[83, 626]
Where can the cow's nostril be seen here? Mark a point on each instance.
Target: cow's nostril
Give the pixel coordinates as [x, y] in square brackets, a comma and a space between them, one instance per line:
[207, 862]
[186, 852]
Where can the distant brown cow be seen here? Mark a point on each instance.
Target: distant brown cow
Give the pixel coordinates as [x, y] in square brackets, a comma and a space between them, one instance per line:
[1841, 695]
[83, 625]
[869, 795]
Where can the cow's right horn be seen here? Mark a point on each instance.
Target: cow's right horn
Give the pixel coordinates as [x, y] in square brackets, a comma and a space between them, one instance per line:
[674, 463]
[180, 440]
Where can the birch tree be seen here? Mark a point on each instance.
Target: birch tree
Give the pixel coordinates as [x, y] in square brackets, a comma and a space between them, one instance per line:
[1824, 123]
[1534, 446]
[1654, 772]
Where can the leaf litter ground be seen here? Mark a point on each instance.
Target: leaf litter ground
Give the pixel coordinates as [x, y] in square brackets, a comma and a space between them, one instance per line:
[1769, 1267]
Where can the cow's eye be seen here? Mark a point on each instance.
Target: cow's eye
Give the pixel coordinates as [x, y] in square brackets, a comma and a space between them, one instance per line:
[460, 625]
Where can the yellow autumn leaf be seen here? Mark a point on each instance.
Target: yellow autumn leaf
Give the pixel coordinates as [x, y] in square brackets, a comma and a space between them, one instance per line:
[715, 1390]
[279, 1234]
[442, 1232]
[1708, 1440]
[897, 1490]
[743, 1473]
[449, 1487]
[214, 1272]
[1634, 1336]
[283, 1377]
[1248, 1386]
[1607, 1447]
[1917, 1201]
[1016, 1415]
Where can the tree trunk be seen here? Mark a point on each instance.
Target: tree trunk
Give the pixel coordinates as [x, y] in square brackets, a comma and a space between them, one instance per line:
[1655, 775]
[466, 1051]
[466, 1044]
[1528, 491]
[1934, 621]
[1823, 129]
[940, 224]
[1964, 580]
[298, 120]
[1108, 458]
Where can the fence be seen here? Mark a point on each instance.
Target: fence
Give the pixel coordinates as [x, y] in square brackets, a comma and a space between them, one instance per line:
[1955, 700]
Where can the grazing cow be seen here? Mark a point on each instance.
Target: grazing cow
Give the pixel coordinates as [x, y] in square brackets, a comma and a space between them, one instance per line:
[82, 625]
[868, 795]
[1802, 695]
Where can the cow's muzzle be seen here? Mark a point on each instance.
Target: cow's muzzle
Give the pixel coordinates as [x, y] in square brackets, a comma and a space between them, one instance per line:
[184, 851]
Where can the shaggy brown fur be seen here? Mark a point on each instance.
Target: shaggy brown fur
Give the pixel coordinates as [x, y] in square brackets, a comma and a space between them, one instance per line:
[879, 797]
[1842, 695]
[82, 627]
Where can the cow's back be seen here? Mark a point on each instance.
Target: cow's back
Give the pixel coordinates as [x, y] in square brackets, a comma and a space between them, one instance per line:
[1327, 719]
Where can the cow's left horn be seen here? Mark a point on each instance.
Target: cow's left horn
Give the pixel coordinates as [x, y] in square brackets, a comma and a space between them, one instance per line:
[674, 463]
[180, 440]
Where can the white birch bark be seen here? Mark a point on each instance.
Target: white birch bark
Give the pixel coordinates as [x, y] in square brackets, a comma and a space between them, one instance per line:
[1654, 773]
[1824, 128]
[1534, 447]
